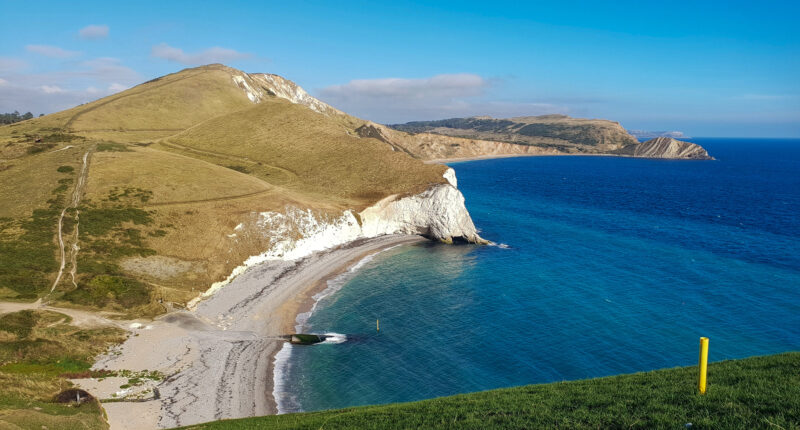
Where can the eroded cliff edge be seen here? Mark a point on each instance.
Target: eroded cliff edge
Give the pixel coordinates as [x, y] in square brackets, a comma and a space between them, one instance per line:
[437, 213]
[666, 147]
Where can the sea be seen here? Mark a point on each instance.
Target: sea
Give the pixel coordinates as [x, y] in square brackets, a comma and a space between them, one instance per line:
[599, 266]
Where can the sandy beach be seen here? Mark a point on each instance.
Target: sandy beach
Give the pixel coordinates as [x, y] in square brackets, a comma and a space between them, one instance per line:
[219, 357]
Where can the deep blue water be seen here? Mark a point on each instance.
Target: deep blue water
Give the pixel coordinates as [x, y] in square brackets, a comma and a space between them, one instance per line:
[612, 265]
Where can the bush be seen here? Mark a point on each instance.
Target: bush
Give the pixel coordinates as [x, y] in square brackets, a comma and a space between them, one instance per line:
[104, 290]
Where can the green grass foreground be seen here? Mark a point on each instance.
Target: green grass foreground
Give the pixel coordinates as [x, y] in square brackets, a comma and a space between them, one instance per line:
[752, 393]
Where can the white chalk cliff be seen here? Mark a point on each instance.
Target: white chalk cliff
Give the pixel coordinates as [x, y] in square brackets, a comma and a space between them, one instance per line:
[438, 213]
[259, 85]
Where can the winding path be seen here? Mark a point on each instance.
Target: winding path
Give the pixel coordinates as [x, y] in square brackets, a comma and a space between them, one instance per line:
[76, 200]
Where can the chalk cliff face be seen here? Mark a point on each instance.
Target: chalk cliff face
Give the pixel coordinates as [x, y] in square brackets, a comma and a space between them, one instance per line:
[666, 147]
[438, 213]
[260, 85]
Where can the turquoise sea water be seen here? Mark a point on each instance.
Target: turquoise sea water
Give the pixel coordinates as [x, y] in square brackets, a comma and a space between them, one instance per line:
[603, 266]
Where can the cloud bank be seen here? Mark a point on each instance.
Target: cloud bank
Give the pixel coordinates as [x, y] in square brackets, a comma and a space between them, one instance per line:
[395, 100]
[207, 56]
[78, 82]
[51, 51]
[93, 32]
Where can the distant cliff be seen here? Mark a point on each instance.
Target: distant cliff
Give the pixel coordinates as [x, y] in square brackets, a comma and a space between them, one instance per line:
[478, 137]
[558, 132]
[666, 147]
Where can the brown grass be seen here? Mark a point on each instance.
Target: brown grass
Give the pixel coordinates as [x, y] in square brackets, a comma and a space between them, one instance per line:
[217, 161]
[326, 160]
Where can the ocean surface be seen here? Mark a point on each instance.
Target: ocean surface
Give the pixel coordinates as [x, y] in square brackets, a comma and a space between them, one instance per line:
[601, 266]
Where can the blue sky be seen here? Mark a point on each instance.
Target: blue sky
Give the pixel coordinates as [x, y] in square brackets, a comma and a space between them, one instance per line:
[708, 69]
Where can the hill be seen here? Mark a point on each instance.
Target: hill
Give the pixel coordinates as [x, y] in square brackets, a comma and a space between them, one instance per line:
[758, 392]
[150, 195]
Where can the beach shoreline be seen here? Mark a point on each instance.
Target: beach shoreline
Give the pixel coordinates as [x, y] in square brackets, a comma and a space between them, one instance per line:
[219, 358]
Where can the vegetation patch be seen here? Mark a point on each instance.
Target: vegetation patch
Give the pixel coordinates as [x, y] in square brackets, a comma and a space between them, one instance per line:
[238, 168]
[104, 290]
[55, 138]
[112, 147]
[27, 256]
[65, 169]
[37, 348]
[130, 195]
[101, 221]
[106, 236]
[758, 392]
[35, 149]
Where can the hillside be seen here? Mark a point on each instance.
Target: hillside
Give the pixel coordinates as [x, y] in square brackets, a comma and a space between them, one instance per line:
[532, 135]
[758, 392]
[148, 196]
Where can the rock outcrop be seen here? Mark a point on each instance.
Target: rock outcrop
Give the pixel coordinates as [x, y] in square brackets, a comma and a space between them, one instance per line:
[438, 213]
[666, 147]
[259, 85]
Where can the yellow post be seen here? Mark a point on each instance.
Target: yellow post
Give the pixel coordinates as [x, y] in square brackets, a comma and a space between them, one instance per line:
[378, 325]
[703, 363]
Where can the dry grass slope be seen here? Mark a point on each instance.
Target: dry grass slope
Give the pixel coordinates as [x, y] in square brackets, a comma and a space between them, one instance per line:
[174, 165]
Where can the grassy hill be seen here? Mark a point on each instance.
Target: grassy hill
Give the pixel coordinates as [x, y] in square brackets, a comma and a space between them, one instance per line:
[148, 185]
[758, 392]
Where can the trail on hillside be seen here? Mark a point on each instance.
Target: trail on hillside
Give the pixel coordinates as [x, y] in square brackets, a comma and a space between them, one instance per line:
[214, 199]
[74, 202]
[79, 318]
[226, 156]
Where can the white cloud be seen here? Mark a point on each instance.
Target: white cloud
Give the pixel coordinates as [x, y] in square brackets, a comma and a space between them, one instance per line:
[51, 51]
[110, 70]
[51, 89]
[92, 32]
[77, 82]
[207, 56]
[439, 86]
[394, 100]
[3, 82]
[8, 64]
[115, 87]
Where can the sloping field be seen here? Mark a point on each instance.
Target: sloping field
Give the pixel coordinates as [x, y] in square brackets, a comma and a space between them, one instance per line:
[174, 167]
[758, 392]
[316, 150]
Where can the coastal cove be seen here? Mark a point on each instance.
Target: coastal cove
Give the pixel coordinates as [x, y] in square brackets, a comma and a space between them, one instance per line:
[602, 266]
